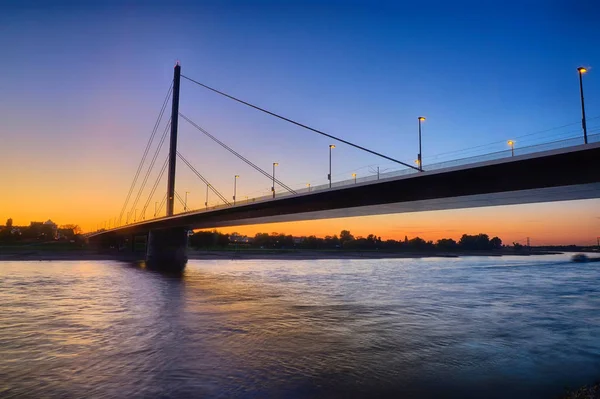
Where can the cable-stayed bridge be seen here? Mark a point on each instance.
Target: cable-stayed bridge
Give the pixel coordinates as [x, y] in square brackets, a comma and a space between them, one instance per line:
[556, 171]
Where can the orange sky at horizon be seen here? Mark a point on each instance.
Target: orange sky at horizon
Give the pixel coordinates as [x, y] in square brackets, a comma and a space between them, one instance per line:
[545, 224]
[553, 223]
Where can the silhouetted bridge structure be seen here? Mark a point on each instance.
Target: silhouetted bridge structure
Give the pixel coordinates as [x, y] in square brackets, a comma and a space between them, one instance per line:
[557, 171]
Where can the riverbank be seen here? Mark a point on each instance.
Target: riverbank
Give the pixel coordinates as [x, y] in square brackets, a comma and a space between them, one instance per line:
[30, 253]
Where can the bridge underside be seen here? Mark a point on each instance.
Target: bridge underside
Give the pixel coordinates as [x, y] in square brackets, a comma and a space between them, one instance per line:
[565, 193]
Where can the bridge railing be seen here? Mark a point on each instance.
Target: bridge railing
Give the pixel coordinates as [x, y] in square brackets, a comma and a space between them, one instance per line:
[532, 149]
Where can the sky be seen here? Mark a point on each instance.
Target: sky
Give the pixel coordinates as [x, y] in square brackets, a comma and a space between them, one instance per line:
[82, 84]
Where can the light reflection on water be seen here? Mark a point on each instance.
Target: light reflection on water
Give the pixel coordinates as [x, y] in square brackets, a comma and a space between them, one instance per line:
[519, 327]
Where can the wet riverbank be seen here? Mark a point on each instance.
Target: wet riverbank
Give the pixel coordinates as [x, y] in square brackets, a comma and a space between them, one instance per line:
[46, 254]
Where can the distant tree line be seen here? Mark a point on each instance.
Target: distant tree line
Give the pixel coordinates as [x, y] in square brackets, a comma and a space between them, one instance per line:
[345, 240]
[37, 232]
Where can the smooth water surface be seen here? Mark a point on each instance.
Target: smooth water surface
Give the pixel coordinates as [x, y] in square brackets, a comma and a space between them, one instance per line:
[510, 327]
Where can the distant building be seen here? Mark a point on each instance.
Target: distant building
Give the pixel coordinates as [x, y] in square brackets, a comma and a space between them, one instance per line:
[239, 239]
[47, 230]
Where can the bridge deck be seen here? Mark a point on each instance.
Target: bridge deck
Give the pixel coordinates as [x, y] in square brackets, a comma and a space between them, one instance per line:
[556, 175]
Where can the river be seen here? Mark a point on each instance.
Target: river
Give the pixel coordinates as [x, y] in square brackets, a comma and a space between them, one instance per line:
[473, 327]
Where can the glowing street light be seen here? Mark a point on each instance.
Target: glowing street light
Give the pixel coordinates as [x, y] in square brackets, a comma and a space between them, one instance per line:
[511, 143]
[354, 176]
[308, 185]
[273, 187]
[581, 71]
[235, 186]
[420, 156]
[206, 202]
[331, 147]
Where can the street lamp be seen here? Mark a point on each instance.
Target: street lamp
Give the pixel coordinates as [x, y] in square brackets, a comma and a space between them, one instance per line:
[235, 187]
[421, 119]
[206, 202]
[581, 71]
[331, 147]
[155, 205]
[273, 188]
[135, 216]
[308, 185]
[511, 143]
[185, 202]
[354, 175]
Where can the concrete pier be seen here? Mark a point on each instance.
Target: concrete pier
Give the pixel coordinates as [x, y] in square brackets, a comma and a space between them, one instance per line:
[167, 249]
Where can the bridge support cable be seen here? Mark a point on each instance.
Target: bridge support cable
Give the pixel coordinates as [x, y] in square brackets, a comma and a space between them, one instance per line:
[212, 188]
[246, 160]
[154, 157]
[162, 203]
[181, 201]
[301, 124]
[148, 145]
[156, 183]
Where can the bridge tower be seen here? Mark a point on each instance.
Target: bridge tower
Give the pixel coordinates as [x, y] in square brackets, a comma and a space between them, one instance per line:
[166, 249]
[173, 141]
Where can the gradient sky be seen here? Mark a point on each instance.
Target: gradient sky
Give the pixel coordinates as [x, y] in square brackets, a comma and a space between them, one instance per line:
[81, 85]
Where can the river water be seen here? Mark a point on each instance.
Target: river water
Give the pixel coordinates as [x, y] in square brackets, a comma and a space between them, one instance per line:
[510, 327]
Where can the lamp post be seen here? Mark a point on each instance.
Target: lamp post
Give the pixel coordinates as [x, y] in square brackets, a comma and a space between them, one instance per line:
[206, 202]
[354, 176]
[155, 207]
[331, 147]
[273, 187]
[420, 158]
[185, 202]
[235, 187]
[511, 143]
[581, 71]
[308, 185]
[135, 216]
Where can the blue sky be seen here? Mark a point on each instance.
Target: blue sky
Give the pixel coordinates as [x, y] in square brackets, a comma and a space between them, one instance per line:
[82, 84]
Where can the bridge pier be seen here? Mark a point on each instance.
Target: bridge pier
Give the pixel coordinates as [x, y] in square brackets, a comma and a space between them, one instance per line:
[167, 249]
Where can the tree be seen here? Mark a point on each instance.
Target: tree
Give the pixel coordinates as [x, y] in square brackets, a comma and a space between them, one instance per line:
[346, 236]
[478, 242]
[74, 227]
[417, 243]
[446, 244]
[9, 223]
[496, 243]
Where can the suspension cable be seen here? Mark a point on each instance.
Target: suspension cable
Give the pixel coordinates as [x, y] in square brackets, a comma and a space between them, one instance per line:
[214, 190]
[180, 199]
[265, 173]
[162, 203]
[156, 152]
[299, 124]
[160, 175]
[148, 145]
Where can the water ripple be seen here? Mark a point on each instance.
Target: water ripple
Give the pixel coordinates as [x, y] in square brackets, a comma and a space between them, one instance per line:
[469, 328]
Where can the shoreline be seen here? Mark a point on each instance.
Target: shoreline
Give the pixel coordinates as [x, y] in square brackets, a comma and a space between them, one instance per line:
[87, 255]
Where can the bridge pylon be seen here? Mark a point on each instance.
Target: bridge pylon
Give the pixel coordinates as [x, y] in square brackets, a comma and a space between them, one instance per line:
[173, 140]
